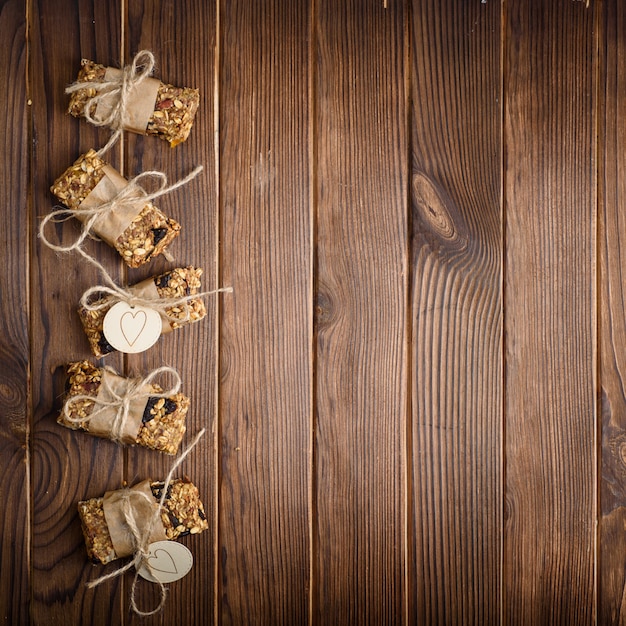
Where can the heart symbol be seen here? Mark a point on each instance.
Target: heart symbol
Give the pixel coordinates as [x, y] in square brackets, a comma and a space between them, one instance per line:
[164, 560]
[132, 325]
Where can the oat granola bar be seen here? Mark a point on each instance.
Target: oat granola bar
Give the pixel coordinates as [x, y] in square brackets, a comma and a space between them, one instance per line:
[174, 108]
[161, 420]
[177, 283]
[149, 231]
[182, 514]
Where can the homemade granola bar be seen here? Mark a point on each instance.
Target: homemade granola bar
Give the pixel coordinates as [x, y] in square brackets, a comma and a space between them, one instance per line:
[177, 283]
[174, 108]
[182, 514]
[161, 420]
[149, 231]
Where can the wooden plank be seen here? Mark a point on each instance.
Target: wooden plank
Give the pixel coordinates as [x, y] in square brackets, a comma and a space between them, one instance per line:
[456, 303]
[361, 298]
[66, 466]
[182, 36]
[612, 288]
[265, 373]
[14, 312]
[550, 325]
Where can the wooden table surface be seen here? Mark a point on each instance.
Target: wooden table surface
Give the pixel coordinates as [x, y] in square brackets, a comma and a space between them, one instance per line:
[414, 397]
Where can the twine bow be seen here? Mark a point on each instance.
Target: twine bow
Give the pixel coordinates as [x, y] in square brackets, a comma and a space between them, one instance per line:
[128, 195]
[120, 400]
[141, 536]
[115, 92]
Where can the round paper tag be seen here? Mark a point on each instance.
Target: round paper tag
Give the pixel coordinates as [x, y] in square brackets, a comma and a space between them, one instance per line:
[132, 329]
[166, 562]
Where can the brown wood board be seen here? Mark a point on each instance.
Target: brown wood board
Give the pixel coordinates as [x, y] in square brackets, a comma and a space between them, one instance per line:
[265, 337]
[187, 60]
[550, 314]
[456, 303]
[611, 538]
[360, 318]
[65, 466]
[14, 344]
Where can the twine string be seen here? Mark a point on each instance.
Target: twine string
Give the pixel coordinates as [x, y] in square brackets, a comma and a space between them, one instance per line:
[115, 92]
[141, 535]
[120, 401]
[128, 195]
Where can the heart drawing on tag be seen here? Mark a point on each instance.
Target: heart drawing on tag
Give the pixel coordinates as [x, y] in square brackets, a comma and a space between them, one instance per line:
[131, 329]
[132, 325]
[162, 561]
[166, 562]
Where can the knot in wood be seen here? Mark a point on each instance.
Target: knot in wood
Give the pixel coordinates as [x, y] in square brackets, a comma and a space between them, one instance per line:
[434, 211]
[617, 447]
[323, 308]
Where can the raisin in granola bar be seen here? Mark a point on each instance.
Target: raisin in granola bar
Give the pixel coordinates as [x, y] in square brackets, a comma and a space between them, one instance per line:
[148, 231]
[174, 107]
[155, 422]
[177, 283]
[182, 514]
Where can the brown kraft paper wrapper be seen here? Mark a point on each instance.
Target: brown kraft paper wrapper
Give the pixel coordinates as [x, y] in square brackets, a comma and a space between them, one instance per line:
[110, 225]
[100, 425]
[139, 104]
[143, 508]
[173, 108]
[138, 230]
[176, 283]
[153, 422]
[182, 514]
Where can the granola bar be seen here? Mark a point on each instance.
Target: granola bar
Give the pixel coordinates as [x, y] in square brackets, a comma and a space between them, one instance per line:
[174, 108]
[161, 420]
[182, 514]
[177, 283]
[149, 231]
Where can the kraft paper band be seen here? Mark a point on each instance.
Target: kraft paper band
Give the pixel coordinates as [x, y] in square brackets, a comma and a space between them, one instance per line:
[143, 508]
[147, 289]
[111, 224]
[101, 424]
[139, 103]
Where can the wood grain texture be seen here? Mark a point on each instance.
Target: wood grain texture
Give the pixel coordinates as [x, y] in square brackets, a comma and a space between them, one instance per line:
[612, 290]
[550, 322]
[66, 466]
[182, 35]
[360, 323]
[419, 207]
[14, 312]
[456, 301]
[265, 337]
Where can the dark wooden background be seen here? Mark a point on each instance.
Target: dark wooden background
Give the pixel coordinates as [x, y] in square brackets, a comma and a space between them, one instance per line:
[414, 399]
